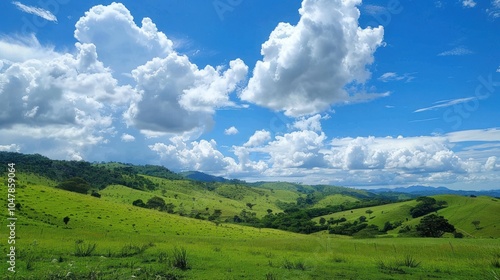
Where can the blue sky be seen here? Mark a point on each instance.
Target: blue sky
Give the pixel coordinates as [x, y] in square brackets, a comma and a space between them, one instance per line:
[360, 94]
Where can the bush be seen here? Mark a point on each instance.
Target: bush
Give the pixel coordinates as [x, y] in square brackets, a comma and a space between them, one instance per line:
[409, 261]
[84, 250]
[180, 259]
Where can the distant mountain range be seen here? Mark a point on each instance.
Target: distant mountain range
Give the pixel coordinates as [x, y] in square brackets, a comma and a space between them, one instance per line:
[427, 190]
[202, 177]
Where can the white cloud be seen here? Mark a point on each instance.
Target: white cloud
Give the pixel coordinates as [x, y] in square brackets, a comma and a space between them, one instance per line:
[127, 138]
[391, 76]
[121, 45]
[498, 70]
[197, 155]
[446, 103]
[172, 97]
[468, 3]
[476, 135]
[231, 131]
[21, 49]
[374, 9]
[175, 95]
[419, 154]
[494, 10]
[456, 52]
[312, 123]
[258, 138]
[47, 15]
[296, 149]
[306, 67]
[10, 148]
[62, 100]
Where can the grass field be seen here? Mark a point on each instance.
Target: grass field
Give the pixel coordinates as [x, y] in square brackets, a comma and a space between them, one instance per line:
[136, 243]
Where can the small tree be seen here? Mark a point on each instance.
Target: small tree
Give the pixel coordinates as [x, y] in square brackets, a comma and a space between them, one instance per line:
[434, 226]
[156, 202]
[369, 212]
[139, 203]
[362, 219]
[95, 194]
[476, 223]
[322, 221]
[250, 205]
[269, 211]
[66, 220]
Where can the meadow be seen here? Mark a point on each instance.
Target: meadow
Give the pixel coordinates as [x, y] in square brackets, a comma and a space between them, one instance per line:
[108, 238]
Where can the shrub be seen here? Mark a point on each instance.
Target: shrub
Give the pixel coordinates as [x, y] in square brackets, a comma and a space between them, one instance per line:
[409, 261]
[84, 250]
[180, 259]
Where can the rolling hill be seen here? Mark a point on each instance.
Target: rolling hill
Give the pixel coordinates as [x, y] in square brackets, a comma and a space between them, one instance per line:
[124, 241]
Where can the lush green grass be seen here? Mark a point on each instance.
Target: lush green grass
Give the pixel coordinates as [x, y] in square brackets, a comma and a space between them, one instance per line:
[335, 199]
[141, 242]
[460, 212]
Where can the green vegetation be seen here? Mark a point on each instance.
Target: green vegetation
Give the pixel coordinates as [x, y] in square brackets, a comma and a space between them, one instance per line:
[182, 229]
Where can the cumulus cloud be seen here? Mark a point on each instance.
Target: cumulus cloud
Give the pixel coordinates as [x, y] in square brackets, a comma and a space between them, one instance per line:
[121, 45]
[258, 138]
[305, 67]
[175, 95]
[231, 131]
[312, 123]
[63, 99]
[172, 96]
[127, 138]
[47, 15]
[197, 155]
[419, 154]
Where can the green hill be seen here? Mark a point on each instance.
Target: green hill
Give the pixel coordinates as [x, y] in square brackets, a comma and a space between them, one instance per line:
[56, 230]
[460, 212]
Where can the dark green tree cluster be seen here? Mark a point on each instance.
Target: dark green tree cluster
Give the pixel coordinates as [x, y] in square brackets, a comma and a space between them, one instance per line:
[434, 226]
[155, 202]
[425, 206]
[75, 184]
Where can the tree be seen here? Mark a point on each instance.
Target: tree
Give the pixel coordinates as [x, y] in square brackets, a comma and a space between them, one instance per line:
[250, 205]
[95, 194]
[269, 211]
[476, 223]
[156, 202]
[139, 203]
[322, 221]
[362, 219]
[66, 220]
[75, 184]
[369, 212]
[434, 226]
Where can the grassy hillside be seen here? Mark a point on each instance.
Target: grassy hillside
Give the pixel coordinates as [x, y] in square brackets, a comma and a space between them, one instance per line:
[137, 243]
[132, 241]
[460, 212]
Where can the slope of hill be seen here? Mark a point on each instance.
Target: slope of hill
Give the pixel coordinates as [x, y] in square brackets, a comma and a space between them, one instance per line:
[460, 212]
[67, 235]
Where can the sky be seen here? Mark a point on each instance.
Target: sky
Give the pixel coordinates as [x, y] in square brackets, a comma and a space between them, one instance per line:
[359, 94]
